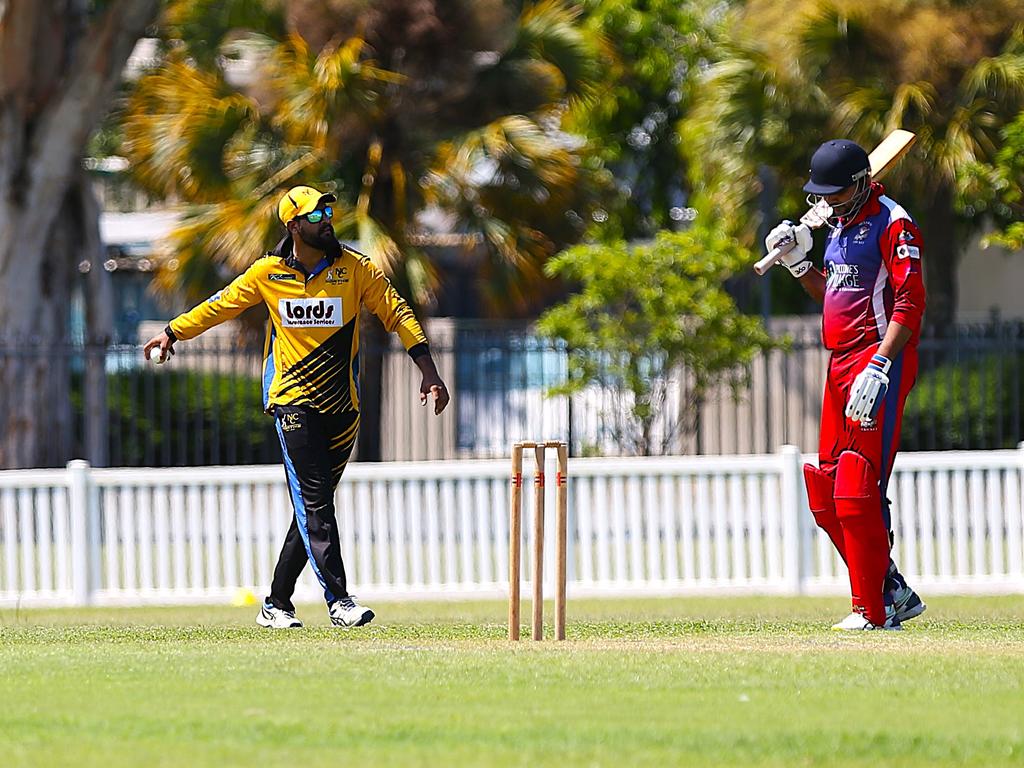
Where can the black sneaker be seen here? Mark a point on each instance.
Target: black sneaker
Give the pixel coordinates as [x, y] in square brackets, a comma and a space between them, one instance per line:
[906, 604]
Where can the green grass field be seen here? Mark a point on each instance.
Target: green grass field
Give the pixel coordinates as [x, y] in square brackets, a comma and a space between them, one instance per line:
[736, 681]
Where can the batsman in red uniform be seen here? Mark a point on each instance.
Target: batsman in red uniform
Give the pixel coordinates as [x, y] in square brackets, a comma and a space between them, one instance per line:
[873, 298]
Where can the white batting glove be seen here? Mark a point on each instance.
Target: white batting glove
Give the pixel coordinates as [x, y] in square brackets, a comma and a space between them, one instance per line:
[869, 390]
[795, 242]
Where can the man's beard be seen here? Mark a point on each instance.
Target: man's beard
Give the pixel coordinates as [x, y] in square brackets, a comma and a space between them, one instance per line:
[322, 241]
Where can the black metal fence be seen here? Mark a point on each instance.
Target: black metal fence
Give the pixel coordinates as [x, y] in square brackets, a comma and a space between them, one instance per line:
[206, 406]
[969, 389]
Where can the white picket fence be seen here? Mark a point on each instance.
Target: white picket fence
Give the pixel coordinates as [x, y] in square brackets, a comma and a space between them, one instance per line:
[675, 525]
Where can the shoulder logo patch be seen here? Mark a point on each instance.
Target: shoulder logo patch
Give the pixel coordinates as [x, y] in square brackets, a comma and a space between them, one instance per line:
[908, 252]
[280, 276]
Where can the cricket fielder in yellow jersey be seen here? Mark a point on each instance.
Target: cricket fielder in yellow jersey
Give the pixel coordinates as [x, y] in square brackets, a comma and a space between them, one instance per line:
[314, 288]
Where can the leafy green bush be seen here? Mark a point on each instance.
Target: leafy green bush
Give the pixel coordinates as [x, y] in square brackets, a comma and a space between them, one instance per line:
[962, 405]
[183, 418]
[642, 311]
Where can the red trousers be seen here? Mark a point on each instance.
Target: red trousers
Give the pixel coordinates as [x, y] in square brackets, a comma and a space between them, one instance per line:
[855, 463]
[877, 444]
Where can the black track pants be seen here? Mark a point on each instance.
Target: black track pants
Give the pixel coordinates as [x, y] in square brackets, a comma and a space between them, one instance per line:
[316, 448]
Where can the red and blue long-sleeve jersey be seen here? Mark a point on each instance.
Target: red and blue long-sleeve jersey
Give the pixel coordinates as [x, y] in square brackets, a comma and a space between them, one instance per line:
[872, 275]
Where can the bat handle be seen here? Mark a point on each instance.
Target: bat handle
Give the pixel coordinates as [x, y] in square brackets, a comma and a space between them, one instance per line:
[768, 261]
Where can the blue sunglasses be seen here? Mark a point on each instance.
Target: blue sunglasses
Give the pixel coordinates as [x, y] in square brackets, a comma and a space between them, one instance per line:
[314, 217]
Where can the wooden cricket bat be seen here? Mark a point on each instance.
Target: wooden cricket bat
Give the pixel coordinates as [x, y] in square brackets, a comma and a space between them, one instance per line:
[882, 158]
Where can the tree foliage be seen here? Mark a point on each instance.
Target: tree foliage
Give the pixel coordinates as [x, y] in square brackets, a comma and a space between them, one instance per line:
[652, 50]
[650, 320]
[1004, 177]
[797, 74]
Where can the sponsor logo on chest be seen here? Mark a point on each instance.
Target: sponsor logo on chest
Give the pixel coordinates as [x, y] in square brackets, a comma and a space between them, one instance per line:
[310, 313]
[862, 232]
[337, 275]
[843, 277]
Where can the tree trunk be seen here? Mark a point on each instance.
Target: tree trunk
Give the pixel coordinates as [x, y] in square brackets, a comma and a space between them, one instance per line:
[939, 258]
[59, 66]
[39, 430]
[99, 329]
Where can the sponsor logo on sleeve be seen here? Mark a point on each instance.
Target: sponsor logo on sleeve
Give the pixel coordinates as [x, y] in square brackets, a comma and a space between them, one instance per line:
[908, 252]
[310, 313]
[280, 276]
[905, 236]
[215, 297]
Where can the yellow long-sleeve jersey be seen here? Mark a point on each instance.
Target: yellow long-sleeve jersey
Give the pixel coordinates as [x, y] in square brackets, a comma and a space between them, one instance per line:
[311, 354]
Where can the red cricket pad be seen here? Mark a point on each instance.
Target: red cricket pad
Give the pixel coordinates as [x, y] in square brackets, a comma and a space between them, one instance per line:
[821, 488]
[859, 509]
[820, 497]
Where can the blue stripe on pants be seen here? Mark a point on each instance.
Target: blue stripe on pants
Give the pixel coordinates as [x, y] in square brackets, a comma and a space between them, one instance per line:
[300, 509]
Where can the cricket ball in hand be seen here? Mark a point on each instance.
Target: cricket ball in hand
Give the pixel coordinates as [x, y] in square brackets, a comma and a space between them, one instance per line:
[156, 355]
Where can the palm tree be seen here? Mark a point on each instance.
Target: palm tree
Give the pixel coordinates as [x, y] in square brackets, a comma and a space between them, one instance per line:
[468, 131]
[952, 72]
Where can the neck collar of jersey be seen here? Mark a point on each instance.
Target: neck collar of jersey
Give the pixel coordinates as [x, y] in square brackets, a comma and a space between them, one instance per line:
[285, 251]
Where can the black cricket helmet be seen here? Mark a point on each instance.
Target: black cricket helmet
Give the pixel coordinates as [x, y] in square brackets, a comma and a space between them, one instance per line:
[836, 165]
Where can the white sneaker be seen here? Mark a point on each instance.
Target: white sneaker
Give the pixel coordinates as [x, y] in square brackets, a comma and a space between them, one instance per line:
[272, 617]
[858, 622]
[346, 612]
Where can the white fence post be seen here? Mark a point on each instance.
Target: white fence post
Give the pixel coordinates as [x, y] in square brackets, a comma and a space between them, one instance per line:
[81, 552]
[1015, 518]
[792, 506]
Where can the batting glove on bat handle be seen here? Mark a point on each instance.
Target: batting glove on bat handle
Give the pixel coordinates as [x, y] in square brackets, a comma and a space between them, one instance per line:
[787, 245]
[868, 390]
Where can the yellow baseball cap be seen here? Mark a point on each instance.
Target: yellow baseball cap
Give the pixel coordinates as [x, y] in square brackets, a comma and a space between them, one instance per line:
[298, 201]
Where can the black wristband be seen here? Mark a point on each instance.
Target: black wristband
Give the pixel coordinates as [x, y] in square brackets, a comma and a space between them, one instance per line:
[419, 350]
[170, 334]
